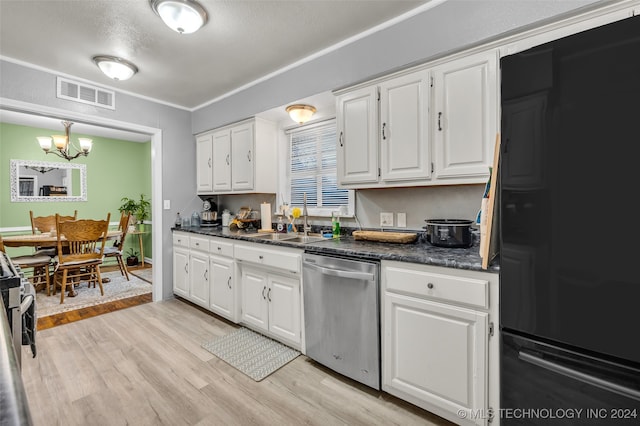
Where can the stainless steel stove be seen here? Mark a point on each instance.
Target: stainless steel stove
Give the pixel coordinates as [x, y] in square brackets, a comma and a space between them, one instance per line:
[19, 301]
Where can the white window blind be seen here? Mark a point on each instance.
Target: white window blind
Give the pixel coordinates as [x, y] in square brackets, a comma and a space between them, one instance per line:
[313, 168]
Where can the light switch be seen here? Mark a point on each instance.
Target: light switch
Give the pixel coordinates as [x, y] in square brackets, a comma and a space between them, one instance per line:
[167, 204]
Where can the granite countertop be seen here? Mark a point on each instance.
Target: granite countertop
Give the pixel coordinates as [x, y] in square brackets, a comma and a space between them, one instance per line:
[418, 252]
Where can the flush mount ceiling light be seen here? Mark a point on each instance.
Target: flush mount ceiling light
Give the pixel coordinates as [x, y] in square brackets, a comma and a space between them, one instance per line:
[63, 143]
[300, 113]
[114, 67]
[182, 16]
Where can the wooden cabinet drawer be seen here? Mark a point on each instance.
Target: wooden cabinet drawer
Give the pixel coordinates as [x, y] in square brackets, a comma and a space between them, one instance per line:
[180, 239]
[431, 283]
[276, 258]
[220, 247]
[199, 243]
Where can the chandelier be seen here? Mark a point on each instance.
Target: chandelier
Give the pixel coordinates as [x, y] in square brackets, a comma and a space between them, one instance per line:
[63, 144]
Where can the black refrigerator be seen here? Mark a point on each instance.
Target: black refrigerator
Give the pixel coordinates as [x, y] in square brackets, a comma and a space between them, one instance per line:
[569, 230]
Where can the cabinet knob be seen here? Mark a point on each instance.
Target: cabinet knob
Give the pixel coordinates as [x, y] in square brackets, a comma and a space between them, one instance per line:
[219, 248]
[261, 257]
[430, 285]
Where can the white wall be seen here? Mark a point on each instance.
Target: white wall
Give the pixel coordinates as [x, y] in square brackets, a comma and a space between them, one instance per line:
[450, 26]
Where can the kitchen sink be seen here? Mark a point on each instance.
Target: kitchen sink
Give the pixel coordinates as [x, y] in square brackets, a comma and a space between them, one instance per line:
[302, 239]
[290, 238]
[270, 236]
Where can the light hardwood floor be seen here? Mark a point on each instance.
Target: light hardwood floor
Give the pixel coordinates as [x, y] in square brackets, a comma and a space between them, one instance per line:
[144, 366]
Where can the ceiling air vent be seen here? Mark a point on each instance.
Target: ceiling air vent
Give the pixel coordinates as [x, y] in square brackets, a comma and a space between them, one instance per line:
[86, 94]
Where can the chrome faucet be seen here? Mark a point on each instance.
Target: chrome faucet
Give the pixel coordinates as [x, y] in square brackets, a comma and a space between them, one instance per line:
[305, 226]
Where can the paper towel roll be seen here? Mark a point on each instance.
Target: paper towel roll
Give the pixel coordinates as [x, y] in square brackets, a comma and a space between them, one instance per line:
[265, 216]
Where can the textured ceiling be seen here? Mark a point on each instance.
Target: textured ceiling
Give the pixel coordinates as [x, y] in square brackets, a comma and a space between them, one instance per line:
[242, 42]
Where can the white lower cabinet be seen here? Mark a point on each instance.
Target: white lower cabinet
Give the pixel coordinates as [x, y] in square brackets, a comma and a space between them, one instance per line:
[222, 297]
[181, 264]
[181, 271]
[199, 278]
[204, 273]
[270, 288]
[223, 288]
[437, 352]
[271, 303]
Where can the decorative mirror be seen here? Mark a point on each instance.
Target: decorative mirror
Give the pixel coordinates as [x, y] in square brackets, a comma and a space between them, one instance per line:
[36, 181]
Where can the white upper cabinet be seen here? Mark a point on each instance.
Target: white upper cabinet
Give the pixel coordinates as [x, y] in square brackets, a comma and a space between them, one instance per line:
[204, 163]
[432, 126]
[358, 136]
[242, 153]
[465, 113]
[222, 160]
[243, 156]
[404, 106]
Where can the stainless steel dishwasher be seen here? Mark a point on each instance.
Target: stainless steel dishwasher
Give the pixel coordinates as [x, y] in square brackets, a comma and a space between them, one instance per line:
[342, 315]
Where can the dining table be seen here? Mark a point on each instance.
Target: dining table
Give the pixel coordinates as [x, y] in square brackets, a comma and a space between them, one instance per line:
[47, 240]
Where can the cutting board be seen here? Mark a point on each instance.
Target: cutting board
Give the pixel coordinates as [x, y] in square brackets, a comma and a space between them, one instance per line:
[387, 237]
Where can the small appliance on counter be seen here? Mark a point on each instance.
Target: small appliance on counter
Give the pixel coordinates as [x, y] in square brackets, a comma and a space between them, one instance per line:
[449, 232]
[209, 215]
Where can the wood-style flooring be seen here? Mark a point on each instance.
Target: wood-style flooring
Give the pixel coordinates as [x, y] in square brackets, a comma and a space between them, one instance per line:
[92, 311]
[144, 365]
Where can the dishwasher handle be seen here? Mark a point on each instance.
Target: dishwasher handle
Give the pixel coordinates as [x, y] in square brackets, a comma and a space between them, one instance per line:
[341, 273]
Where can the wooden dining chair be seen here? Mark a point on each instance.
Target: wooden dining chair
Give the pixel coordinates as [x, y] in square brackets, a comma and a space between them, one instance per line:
[80, 252]
[47, 224]
[116, 249]
[38, 264]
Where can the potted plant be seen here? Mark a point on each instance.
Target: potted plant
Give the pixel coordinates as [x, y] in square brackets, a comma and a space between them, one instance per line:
[140, 209]
[132, 257]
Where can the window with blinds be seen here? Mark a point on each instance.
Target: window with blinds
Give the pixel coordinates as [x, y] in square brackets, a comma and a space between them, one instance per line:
[313, 170]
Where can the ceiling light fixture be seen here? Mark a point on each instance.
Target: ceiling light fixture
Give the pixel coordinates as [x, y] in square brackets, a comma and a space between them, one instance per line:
[114, 67]
[301, 113]
[62, 143]
[182, 16]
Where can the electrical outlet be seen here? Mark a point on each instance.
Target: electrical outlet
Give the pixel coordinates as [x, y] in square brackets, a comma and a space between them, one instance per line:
[386, 219]
[402, 220]
[167, 204]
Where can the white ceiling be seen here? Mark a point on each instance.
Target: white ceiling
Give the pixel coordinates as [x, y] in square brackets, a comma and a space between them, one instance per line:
[242, 42]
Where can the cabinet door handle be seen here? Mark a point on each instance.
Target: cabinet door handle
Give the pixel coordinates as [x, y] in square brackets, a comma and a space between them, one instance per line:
[269, 295]
[227, 159]
[263, 290]
[229, 283]
[209, 162]
[249, 156]
[219, 248]
[430, 285]
[440, 121]
[340, 139]
[186, 267]
[206, 275]
[383, 135]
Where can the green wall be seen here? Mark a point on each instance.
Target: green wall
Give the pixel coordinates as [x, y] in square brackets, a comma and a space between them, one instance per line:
[115, 169]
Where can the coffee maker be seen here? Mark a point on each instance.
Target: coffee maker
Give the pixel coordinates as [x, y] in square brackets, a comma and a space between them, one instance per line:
[209, 215]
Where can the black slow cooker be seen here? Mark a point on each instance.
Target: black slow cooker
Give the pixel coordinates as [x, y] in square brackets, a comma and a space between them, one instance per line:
[449, 232]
